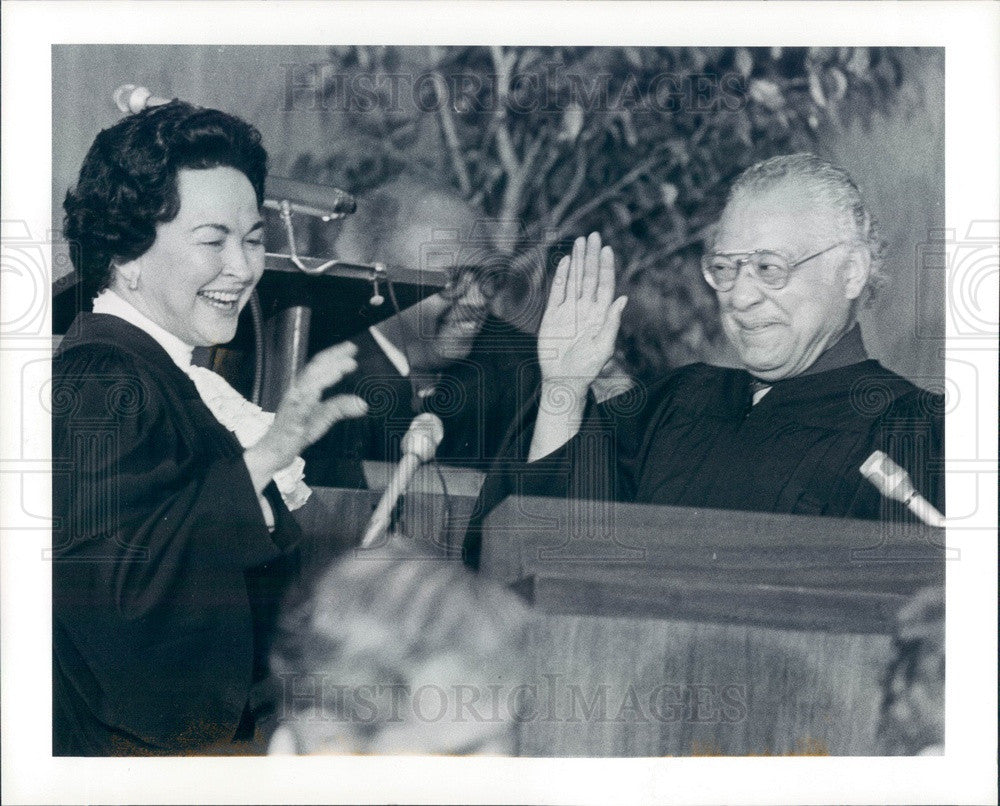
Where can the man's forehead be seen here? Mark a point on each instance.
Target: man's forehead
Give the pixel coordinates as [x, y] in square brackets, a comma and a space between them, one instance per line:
[787, 216]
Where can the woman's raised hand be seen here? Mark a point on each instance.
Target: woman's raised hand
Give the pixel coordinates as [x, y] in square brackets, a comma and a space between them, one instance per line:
[578, 330]
[303, 416]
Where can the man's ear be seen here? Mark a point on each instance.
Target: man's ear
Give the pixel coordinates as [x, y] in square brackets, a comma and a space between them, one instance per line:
[854, 272]
[282, 742]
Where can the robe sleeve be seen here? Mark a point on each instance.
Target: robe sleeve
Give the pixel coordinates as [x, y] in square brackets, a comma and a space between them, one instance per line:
[141, 485]
[601, 462]
[157, 523]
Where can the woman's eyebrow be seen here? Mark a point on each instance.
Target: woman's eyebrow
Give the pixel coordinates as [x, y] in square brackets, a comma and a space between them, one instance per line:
[221, 227]
[225, 230]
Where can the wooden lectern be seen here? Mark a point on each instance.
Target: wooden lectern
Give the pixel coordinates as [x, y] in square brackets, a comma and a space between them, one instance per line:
[677, 631]
[333, 520]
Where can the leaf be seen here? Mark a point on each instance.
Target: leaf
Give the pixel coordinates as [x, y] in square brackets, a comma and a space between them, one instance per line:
[633, 56]
[766, 93]
[572, 123]
[628, 128]
[621, 213]
[669, 193]
[744, 62]
[821, 54]
[839, 84]
[816, 89]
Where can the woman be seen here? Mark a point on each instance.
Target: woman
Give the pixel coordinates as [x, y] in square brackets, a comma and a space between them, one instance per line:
[173, 540]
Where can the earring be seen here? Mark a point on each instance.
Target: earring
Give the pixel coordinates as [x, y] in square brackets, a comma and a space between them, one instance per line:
[133, 282]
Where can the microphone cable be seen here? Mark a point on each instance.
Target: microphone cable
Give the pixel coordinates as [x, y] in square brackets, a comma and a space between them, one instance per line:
[447, 514]
[257, 316]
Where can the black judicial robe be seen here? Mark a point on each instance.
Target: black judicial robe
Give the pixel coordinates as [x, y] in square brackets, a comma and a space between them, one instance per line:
[165, 579]
[695, 439]
[478, 399]
[335, 459]
[481, 397]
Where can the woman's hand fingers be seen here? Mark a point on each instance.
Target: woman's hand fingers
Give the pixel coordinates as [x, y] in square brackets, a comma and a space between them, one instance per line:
[332, 411]
[303, 416]
[327, 368]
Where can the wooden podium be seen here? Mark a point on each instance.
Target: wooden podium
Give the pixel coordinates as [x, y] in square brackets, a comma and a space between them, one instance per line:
[676, 631]
[671, 631]
[333, 520]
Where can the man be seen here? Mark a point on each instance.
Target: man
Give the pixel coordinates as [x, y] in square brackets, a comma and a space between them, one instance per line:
[795, 256]
[453, 354]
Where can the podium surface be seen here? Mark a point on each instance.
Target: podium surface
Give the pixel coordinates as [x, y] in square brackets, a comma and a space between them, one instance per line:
[663, 631]
[675, 631]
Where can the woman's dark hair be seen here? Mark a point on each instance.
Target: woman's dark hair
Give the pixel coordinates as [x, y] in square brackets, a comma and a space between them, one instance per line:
[128, 182]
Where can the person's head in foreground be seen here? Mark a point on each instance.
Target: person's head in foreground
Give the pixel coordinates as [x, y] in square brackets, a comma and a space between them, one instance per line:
[166, 214]
[397, 651]
[913, 688]
[795, 255]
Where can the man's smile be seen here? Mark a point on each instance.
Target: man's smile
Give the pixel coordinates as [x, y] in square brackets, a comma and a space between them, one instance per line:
[757, 327]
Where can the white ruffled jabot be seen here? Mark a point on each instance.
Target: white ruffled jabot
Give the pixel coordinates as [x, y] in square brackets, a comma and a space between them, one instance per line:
[248, 421]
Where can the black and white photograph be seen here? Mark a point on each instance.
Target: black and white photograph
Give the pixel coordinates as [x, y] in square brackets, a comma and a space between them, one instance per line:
[571, 415]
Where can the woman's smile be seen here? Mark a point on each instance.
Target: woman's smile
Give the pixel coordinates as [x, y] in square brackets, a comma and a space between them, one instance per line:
[224, 301]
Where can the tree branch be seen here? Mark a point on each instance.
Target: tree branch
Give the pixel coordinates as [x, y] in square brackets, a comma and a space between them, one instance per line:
[647, 164]
[448, 128]
[507, 230]
[517, 170]
[651, 259]
[505, 145]
[571, 192]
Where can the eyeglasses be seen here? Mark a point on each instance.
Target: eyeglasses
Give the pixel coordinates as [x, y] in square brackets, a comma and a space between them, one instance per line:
[771, 269]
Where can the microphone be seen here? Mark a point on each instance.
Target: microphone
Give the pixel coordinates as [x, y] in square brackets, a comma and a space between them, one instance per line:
[133, 99]
[319, 201]
[419, 445]
[894, 482]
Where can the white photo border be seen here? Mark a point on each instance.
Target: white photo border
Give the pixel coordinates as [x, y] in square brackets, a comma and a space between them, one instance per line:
[966, 774]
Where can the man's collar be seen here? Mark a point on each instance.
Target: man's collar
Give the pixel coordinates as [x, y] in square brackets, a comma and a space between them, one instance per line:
[848, 349]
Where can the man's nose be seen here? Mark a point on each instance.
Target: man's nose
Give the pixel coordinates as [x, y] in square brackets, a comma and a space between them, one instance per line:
[746, 291]
[473, 299]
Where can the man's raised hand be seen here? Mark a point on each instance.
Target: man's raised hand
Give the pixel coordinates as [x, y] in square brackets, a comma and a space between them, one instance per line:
[578, 330]
[575, 340]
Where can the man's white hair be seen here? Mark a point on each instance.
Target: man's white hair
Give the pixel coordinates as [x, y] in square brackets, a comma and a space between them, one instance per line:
[832, 186]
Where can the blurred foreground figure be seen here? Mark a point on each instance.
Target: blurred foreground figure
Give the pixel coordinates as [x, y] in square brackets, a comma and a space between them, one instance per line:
[397, 651]
[913, 704]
